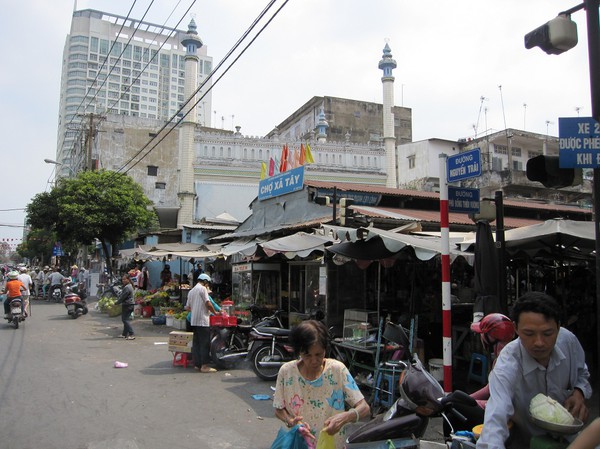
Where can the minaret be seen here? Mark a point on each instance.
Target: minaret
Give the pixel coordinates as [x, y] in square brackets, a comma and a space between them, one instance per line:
[323, 126]
[386, 64]
[187, 192]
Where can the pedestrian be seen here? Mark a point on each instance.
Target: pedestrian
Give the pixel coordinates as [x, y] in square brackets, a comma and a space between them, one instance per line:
[127, 303]
[196, 273]
[199, 304]
[165, 275]
[46, 284]
[25, 278]
[143, 279]
[314, 390]
[545, 358]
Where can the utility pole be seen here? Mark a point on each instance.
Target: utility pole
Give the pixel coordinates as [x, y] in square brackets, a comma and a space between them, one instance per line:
[90, 137]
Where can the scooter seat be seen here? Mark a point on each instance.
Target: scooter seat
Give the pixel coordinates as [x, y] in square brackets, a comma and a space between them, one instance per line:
[277, 331]
[395, 428]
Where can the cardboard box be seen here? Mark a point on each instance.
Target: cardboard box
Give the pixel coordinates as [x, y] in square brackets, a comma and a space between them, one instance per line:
[180, 341]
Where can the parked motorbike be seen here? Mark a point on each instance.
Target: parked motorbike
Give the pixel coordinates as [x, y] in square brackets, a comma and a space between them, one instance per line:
[75, 304]
[15, 312]
[229, 345]
[406, 421]
[268, 350]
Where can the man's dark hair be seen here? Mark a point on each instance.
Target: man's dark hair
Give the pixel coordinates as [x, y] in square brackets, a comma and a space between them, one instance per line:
[306, 334]
[537, 302]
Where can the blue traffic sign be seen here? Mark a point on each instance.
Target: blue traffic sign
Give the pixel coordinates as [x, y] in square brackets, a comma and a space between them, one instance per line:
[464, 165]
[463, 200]
[579, 142]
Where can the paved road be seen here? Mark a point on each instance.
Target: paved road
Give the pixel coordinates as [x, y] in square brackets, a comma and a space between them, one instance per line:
[59, 389]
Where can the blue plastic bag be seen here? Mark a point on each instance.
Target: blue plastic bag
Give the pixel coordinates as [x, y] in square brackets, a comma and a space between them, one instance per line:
[289, 439]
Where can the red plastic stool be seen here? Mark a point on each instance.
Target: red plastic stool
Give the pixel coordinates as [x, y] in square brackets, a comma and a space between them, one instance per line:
[182, 359]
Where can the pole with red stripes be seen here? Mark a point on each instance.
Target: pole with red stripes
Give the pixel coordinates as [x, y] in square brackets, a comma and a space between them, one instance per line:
[445, 251]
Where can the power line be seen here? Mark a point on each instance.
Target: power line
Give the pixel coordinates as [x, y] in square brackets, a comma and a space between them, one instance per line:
[237, 44]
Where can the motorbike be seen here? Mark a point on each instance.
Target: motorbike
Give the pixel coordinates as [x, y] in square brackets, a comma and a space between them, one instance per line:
[57, 294]
[268, 350]
[421, 398]
[15, 312]
[75, 304]
[229, 345]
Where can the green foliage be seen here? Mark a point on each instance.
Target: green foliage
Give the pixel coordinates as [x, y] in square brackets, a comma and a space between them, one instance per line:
[38, 245]
[103, 205]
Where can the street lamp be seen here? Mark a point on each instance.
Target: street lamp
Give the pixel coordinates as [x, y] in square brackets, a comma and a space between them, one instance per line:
[53, 162]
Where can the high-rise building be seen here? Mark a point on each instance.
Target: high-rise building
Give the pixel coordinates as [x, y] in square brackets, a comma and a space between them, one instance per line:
[118, 65]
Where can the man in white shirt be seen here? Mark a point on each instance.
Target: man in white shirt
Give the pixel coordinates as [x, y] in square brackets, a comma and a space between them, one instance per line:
[544, 359]
[199, 304]
[28, 283]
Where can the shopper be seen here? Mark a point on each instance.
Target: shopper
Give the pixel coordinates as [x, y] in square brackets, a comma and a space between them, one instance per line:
[127, 303]
[315, 390]
[546, 358]
[201, 307]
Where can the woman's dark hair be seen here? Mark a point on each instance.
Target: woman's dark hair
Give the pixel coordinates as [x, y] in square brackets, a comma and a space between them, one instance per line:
[306, 334]
[537, 302]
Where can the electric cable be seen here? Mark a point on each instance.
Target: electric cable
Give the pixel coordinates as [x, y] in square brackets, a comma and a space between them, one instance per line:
[238, 43]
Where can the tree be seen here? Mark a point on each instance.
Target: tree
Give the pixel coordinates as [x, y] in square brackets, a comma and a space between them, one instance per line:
[102, 205]
[38, 246]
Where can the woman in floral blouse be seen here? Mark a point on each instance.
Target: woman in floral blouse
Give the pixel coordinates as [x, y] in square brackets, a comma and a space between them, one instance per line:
[315, 391]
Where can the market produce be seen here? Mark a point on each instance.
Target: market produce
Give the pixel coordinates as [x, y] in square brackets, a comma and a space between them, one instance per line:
[545, 408]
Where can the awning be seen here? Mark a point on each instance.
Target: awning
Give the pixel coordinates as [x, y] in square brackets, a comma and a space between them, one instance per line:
[375, 244]
[185, 250]
[556, 236]
[245, 246]
[299, 244]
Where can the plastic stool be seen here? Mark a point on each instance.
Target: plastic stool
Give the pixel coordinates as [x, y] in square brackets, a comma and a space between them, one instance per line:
[386, 392]
[182, 359]
[478, 368]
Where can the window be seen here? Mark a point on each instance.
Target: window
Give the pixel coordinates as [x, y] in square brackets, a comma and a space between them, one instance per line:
[411, 162]
[160, 185]
[152, 170]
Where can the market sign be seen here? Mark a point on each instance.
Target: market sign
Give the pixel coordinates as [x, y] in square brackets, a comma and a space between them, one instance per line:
[464, 165]
[463, 200]
[578, 143]
[287, 182]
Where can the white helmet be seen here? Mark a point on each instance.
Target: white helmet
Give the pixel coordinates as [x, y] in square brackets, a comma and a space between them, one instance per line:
[204, 277]
[23, 269]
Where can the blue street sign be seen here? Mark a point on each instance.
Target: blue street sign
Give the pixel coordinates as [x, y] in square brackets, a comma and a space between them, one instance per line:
[286, 182]
[578, 143]
[463, 200]
[464, 165]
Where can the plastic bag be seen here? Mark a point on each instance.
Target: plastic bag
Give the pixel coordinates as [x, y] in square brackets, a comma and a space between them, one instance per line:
[325, 441]
[289, 439]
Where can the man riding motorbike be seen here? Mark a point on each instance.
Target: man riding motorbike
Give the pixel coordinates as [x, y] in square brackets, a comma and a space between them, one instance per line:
[56, 281]
[13, 289]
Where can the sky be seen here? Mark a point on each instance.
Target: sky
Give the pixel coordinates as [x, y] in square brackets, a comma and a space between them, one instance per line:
[462, 69]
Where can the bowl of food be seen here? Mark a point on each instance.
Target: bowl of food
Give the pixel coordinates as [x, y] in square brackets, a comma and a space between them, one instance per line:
[551, 416]
[556, 428]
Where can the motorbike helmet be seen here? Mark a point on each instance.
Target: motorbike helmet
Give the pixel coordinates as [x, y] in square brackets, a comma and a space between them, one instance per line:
[418, 388]
[12, 274]
[494, 329]
[204, 277]
[23, 269]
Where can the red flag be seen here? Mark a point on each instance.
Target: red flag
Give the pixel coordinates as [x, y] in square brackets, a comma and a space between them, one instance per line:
[284, 157]
[271, 167]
